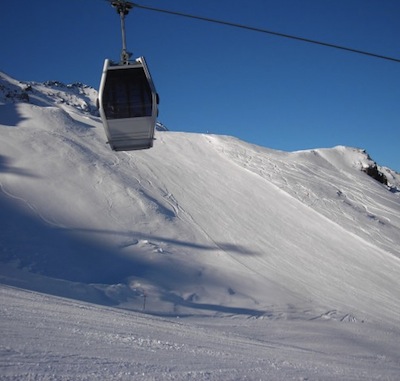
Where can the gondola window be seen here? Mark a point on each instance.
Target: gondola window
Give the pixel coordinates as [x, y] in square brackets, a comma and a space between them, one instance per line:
[128, 94]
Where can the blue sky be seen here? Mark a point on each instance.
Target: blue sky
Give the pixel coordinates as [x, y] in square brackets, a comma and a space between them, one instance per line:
[278, 93]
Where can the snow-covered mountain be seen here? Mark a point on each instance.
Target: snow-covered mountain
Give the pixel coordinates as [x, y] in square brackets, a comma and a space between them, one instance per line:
[200, 225]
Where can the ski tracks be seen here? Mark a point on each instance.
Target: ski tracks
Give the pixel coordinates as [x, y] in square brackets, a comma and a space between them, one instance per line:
[159, 191]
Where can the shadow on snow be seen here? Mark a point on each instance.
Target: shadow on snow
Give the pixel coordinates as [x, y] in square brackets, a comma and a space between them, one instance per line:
[37, 256]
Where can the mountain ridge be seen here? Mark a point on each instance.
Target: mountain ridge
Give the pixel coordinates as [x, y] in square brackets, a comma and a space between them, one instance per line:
[202, 224]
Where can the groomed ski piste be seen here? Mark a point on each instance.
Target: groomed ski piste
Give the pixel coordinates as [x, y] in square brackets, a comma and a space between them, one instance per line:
[203, 258]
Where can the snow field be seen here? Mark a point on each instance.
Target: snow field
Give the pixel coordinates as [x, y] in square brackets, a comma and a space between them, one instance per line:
[203, 258]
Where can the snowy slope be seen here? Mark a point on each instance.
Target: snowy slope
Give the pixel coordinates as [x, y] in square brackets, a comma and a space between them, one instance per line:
[66, 340]
[200, 219]
[200, 225]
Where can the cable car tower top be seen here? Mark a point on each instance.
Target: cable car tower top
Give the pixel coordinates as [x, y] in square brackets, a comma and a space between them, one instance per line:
[123, 7]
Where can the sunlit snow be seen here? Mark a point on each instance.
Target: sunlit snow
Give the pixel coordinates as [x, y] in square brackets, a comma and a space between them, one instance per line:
[202, 258]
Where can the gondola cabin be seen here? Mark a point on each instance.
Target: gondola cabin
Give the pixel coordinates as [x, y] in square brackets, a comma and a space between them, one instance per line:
[128, 105]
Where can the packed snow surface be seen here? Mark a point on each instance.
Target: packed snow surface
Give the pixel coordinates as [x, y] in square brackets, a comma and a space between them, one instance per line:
[202, 258]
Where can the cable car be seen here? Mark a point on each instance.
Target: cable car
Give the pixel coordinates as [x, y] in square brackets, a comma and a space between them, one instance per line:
[128, 105]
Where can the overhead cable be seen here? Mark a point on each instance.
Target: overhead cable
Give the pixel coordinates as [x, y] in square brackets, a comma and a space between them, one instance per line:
[261, 30]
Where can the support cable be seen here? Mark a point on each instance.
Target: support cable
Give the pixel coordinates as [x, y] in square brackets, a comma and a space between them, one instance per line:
[266, 31]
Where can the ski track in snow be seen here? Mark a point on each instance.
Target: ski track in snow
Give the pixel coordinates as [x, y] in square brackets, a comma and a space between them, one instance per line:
[351, 201]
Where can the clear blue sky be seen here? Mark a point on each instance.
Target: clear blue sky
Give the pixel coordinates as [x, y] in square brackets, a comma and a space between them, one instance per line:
[275, 92]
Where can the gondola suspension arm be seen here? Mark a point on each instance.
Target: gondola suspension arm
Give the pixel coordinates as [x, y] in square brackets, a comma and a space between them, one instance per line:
[123, 8]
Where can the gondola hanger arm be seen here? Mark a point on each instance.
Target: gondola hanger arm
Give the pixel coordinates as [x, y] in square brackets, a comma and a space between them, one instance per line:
[123, 7]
